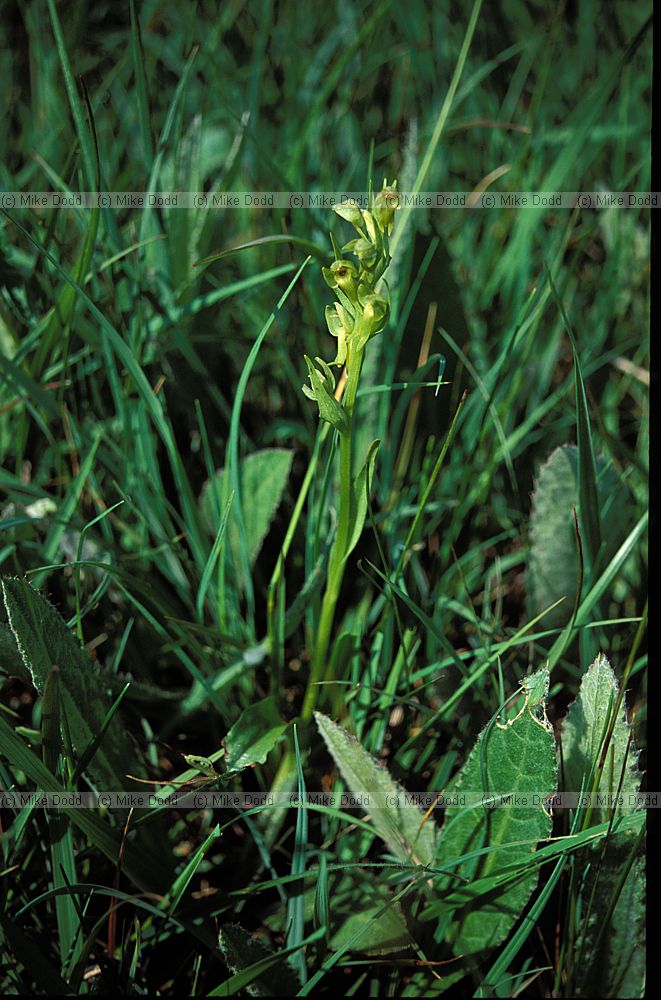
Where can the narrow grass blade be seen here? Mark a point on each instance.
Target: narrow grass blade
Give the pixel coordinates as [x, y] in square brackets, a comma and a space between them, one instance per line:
[296, 904]
[590, 514]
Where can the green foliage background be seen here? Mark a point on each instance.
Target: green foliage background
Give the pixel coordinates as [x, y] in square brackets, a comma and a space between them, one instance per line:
[132, 374]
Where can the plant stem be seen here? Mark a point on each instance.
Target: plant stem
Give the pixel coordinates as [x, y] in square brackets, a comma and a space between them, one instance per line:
[337, 562]
[318, 671]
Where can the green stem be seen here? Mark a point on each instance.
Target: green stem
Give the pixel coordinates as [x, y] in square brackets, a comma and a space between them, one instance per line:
[319, 666]
[317, 669]
[286, 772]
[275, 589]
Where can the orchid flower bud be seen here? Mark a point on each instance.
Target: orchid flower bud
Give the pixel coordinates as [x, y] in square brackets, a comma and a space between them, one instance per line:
[371, 227]
[349, 210]
[364, 250]
[385, 204]
[371, 320]
[376, 309]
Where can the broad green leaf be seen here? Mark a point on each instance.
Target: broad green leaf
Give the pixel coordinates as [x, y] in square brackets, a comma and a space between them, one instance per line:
[583, 732]
[610, 950]
[612, 944]
[11, 662]
[553, 564]
[44, 641]
[241, 951]
[396, 819]
[624, 940]
[254, 735]
[516, 757]
[51, 738]
[263, 477]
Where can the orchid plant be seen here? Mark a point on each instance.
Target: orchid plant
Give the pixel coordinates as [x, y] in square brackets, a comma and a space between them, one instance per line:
[359, 314]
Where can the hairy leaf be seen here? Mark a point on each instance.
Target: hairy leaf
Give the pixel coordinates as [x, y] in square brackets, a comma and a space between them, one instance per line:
[241, 950]
[514, 758]
[553, 563]
[43, 642]
[583, 734]
[263, 477]
[396, 819]
[611, 951]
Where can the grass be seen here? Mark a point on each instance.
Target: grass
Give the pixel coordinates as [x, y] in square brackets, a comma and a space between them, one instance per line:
[171, 491]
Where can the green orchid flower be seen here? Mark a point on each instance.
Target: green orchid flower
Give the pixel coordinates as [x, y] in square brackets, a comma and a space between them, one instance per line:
[342, 274]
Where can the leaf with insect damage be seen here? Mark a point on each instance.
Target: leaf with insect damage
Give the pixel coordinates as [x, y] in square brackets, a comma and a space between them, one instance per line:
[512, 768]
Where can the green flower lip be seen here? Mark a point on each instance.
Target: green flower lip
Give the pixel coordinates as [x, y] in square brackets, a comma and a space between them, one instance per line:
[342, 274]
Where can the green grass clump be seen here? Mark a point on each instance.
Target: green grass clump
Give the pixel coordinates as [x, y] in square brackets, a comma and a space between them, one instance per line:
[206, 586]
